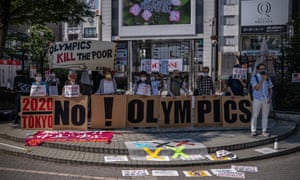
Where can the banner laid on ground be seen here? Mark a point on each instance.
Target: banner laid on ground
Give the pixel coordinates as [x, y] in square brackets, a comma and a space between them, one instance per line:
[83, 54]
[68, 136]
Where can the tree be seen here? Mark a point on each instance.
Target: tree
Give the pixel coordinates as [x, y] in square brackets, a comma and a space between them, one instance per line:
[39, 38]
[20, 12]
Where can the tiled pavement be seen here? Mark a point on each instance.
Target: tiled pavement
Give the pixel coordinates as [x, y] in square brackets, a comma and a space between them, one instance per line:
[238, 141]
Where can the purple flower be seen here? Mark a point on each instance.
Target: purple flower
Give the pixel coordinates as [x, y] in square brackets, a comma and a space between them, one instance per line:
[176, 2]
[135, 10]
[174, 16]
[146, 15]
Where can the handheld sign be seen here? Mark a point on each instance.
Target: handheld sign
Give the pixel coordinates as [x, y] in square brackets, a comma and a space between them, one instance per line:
[72, 90]
[38, 90]
[144, 89]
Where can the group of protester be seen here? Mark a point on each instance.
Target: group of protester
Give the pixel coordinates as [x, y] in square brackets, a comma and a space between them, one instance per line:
[155, 85]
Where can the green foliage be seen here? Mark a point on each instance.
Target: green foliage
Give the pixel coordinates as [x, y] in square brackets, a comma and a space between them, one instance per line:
[47, 11]
[39, 38]
[286, 93]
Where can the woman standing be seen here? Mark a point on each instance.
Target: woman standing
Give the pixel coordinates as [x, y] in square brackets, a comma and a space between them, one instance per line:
[107, 85]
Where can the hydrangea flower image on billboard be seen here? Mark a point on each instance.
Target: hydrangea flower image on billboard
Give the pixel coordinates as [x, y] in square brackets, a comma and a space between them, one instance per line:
[156, 12]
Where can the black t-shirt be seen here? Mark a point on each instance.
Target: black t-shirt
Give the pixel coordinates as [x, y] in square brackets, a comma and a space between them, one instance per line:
[236, 86]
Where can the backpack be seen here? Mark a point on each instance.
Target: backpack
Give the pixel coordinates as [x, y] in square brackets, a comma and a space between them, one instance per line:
[251, 88]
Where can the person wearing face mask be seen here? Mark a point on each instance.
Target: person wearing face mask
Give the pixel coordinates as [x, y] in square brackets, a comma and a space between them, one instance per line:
[175, 84]
[143, 85]
[156, 85]
[38, 82]
[72, 80]
[53, 83]
[205, 85]
[262, 98]
[107, 85]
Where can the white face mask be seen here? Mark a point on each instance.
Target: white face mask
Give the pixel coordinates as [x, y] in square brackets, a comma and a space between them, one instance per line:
[38, 78]
[52, 75]
[143, 78]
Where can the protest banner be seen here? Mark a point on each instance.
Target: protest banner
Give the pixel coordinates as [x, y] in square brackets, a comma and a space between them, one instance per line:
[236, 111]
[36, 112]
[82, 54]
[108, 111]
[208, 111]
[70, 113]
[175, 112]
[239, 73]
[142, 111]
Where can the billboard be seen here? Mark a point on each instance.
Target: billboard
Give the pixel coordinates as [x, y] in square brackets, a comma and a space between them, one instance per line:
[264, 12]
[155, 18]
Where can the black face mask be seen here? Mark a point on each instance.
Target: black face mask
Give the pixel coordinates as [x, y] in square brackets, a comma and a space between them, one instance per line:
[176, 77]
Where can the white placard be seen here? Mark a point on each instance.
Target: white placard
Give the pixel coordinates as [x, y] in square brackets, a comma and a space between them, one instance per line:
[217, 171]
[144, 89]
[115, 158]
[142, 172]
[196, 173]
[240, 175]
[245, 168]
[72, 90]
[164, 173]
[296, 77]
[38, 90]
[265, 150]
[239, 73]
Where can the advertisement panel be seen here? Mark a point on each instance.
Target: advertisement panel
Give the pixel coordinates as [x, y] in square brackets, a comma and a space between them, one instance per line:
[259, 16]
[144, 18]
[84, 54]
[264, 12]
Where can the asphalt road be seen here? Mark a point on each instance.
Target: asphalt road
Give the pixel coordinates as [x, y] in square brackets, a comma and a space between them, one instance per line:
[15, 168]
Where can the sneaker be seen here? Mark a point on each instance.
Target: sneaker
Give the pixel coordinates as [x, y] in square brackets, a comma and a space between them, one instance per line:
[266, 134]
[253, 134]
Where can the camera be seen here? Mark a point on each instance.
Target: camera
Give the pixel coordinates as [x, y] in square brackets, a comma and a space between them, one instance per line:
[263, 73]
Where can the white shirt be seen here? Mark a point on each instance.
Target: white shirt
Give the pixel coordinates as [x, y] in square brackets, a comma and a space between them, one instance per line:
[108, 87]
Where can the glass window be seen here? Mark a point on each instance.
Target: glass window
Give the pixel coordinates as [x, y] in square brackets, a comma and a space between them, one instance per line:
[229, 41]
[90, 32]
[230, 20]
[230, 2]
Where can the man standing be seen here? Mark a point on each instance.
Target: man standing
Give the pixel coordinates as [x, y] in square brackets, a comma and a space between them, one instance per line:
[262, 98]
[21, 88]
[205, 85]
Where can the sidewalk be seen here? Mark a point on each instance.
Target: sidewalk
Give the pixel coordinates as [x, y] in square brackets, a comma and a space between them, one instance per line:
[237, 141]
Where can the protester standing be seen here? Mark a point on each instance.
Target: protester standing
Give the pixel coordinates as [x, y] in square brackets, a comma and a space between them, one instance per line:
[205, 85]
[39, 81]
[21, 88]
[262, 98]
[53, 83]
[237, 85]
[107, 85]
[175, 84]
[143, 85]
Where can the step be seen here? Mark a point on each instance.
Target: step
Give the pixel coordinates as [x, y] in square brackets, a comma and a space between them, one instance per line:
[236, 140]
[213, 138]
[288, 145]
